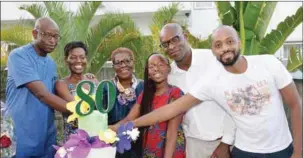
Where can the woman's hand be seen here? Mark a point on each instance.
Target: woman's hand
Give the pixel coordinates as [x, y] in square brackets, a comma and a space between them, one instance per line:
[89, 76]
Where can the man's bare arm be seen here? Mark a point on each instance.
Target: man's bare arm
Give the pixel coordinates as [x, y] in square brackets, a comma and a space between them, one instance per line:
[40, 91]
[62, 91]
[168, 111]
[292, 99]
[133, 114]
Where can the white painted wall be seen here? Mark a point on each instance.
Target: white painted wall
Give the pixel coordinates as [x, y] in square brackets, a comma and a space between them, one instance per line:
[144, 20]
[138, 7]
[204, 21]
[284, 9]
[201, 21]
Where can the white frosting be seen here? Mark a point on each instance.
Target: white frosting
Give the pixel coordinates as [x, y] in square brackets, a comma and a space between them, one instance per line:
[108, 152]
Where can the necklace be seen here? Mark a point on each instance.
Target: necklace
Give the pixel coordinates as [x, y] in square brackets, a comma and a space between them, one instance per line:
[126, 95]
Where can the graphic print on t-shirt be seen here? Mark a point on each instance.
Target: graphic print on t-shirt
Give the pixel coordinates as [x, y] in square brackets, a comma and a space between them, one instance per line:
[249, 100]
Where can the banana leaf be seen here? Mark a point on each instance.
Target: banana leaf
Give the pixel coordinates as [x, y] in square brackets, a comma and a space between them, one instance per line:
[226, 12]
[257, 16]
[236, 24]
[242, 28]
[295, 60]
[275, 39]
[251, 46]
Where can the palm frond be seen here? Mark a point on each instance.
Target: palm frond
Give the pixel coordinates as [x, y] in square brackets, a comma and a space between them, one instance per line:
[128, 24]
[165, 15]
[198, 43]
[161, 17]
[145, 49]
[83, 19]
[17, 34]
[37, 10]
[64, 19]
[103, 53]
[97, 34]
[4, 55]
[58, 12]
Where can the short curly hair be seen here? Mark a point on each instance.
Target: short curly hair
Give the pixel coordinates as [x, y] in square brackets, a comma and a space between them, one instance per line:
[74, 44]
[122, 50]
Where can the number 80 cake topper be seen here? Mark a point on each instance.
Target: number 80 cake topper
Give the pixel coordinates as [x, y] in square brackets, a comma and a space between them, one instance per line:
[99, 96]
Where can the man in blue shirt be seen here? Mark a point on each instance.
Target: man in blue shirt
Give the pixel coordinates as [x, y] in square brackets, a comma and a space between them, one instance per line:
[30, 92]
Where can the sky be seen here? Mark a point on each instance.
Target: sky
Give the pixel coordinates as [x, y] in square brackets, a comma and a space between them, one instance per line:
[10, 11]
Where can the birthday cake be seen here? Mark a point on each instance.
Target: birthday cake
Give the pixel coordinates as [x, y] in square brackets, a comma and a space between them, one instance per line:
[93, 139]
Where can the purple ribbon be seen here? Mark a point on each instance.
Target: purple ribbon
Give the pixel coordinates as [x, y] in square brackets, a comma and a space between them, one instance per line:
[82, 144]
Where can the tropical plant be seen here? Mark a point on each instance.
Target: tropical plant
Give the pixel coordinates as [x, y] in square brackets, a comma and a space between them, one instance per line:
[250, 19]
[295, 60]
[3, 72]
[166, 15]
[3, 55]
[102, 34]
[161, 17]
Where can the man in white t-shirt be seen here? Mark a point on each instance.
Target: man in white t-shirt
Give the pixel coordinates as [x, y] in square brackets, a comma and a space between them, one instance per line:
[252, 90]
[209, 130]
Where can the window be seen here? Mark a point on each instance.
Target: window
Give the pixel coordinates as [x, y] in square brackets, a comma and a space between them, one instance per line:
[203, 5]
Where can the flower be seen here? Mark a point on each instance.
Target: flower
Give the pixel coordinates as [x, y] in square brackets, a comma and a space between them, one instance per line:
[124, 138]
[123, 144]
[62, 152]
[125, 127]
[134, 134]
[71, 106]
[108, 136]
[5, 141]
[79, 145]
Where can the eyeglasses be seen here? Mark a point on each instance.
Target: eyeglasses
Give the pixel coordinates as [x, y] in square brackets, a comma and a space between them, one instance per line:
[173, 40]
[49, 35]
[127, 62]
[159, 66]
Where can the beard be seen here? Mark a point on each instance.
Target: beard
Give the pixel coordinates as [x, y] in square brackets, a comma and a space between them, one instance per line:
[232, 61]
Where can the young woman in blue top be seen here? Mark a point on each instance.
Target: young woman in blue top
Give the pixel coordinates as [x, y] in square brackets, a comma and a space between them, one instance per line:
[75, 58]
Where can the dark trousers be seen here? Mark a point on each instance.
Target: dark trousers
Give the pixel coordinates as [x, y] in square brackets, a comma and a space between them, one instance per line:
[285, 153]
[133, 153]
